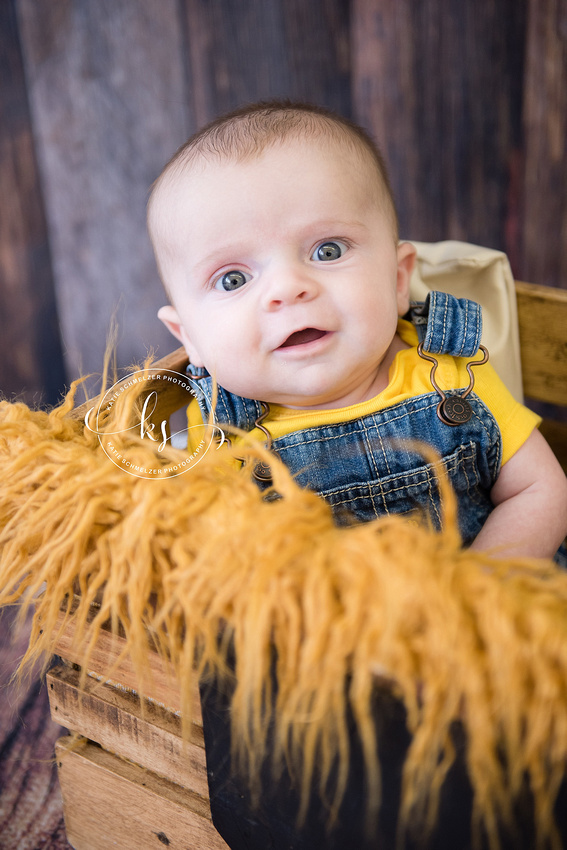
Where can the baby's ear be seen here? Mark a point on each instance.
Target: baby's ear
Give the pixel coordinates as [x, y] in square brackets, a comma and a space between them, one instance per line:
[406, 263]
[169, 316]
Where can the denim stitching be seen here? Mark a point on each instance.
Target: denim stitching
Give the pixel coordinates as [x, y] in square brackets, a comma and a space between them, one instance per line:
[445, 308]
[430, 479]
[491, 443]
[450, 466]
[465, 329]
[299, 440]
[376, 470]
[468, 484]
[383, 450]
[473, 496]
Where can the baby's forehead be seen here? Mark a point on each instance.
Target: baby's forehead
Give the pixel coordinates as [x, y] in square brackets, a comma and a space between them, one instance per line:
[198, 168]
[199, 176]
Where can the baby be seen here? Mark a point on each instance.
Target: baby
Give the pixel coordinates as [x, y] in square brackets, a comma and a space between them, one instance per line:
[276, 237]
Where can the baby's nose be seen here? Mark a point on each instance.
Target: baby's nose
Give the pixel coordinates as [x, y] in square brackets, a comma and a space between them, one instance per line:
[289, 287]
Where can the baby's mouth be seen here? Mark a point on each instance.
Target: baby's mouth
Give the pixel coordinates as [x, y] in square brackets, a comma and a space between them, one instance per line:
[303, 336]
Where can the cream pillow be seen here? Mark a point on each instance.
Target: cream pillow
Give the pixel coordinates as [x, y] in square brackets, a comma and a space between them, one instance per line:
[483, 275]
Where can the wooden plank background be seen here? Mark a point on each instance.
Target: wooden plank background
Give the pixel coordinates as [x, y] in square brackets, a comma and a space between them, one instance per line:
[31, 358]
[468, 100]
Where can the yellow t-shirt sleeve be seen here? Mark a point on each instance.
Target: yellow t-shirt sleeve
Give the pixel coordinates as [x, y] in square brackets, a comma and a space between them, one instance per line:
[516, 422]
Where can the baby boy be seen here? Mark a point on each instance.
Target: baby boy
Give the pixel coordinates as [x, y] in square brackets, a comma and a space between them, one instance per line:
[276, 237]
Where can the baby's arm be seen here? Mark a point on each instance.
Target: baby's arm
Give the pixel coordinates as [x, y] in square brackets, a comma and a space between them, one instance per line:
[530, 504]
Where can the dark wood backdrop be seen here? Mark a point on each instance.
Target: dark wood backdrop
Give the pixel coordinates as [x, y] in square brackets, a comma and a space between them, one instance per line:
[468, 99]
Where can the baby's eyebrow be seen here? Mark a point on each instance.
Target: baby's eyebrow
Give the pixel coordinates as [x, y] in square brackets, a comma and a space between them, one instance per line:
[225, 254]
[220, 253]
[335, 226]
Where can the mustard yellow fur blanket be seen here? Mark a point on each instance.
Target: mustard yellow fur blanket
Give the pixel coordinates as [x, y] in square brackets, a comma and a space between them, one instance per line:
[196, 562]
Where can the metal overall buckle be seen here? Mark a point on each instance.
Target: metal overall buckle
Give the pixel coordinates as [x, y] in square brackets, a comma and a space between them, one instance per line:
[453, 409]
[262, 471]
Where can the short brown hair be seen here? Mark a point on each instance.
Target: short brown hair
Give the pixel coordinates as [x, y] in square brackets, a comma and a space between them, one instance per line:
[249, 130]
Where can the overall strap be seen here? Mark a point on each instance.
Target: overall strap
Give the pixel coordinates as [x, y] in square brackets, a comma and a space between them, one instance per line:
[448, 325]
[230, 409]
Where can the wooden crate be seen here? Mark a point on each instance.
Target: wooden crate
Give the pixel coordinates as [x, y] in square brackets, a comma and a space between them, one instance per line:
[131, 780]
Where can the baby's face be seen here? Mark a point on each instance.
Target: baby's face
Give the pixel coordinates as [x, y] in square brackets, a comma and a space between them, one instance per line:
[285, 277]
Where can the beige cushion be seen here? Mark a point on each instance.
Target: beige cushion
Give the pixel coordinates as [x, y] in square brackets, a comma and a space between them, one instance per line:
[484, 275]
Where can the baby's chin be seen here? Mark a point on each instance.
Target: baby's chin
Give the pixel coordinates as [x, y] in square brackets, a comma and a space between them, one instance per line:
[313, 393]
[295, 401]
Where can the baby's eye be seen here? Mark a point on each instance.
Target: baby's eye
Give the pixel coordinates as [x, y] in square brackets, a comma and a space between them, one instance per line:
[231, 280]
[331, 250]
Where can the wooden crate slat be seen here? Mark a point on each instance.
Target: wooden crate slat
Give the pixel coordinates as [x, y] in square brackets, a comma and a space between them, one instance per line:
[170, 396]
[146, 734]
[110, 802]
[542, 316]
[160, 684]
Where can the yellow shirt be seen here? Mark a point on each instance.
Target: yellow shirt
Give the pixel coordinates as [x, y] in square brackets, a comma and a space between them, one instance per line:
[409, 376]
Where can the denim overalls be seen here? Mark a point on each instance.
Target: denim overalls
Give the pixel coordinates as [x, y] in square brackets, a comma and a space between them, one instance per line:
[370, 466]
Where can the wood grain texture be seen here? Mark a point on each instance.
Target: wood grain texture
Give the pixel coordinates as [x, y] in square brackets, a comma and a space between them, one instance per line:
[556, 435]
[31, 364]
[113, 717]
[542, 318]
[439, 85]
[109, 108]
[112, 803]
[170, 396]
[545, 128]
[114, 88]
[239, 52]
[108, 661]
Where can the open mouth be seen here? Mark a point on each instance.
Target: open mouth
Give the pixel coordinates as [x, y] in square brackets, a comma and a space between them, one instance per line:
[303, 336]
